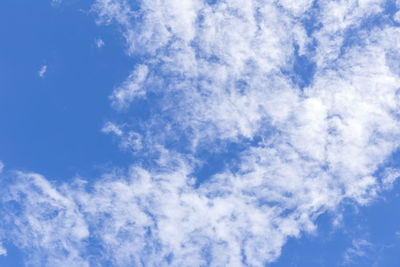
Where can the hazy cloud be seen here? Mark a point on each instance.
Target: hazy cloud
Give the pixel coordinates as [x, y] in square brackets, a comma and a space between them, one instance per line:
[99, 43]
[42, 71]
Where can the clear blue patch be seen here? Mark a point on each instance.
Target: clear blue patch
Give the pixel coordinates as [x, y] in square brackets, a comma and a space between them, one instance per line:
[53, 123]
[217, 158]
[377, 224]
[14, 258]
[303, 68]
[310, 19]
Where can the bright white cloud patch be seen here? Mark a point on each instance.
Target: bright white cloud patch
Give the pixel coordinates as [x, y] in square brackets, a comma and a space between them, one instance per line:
[215, 75]
[42, 71]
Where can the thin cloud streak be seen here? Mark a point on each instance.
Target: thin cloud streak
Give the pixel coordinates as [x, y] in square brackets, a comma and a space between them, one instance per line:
[42, 71]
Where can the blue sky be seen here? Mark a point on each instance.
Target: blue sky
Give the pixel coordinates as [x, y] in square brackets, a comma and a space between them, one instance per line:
[50, 126]
[199, 133]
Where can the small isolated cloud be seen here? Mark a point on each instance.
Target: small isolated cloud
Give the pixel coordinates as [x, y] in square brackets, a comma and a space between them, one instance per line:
[99, 43]
[397, 234]
[3, 251]
[359, 249]
[56, 3]
[42, 71]
[110, 127]
[1, 166]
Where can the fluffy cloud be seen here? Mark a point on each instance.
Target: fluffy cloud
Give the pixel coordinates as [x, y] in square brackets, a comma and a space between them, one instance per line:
[215, 75]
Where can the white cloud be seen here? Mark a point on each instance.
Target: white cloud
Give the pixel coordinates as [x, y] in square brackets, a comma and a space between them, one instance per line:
[326, 142]
[146, 217]
[359, 248]
[396, 17]
[296, 7]
[223, 74]
[389, 176]
[3, 251]
[110, 127]
[45, 219]
[128, 139]
[1, 166]
[42, 71]
[131, 88]
[56, 3]
[397, 234]
[99, 43]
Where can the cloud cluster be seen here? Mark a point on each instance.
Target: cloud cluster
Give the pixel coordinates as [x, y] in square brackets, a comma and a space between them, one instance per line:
[216, 74]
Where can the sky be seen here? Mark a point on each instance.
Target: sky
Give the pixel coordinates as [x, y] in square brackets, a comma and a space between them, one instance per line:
[199, 133]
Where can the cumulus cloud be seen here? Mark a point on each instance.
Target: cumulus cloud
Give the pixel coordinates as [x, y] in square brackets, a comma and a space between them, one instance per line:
[212, 76]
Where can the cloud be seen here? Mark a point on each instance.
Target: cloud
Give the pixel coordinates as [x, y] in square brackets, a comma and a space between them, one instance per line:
[56, 3]
[42, 71]
[397, 234]
[3, 251]
[43, 218]
[128, 139]
[213, 77]
[131, 88]
[396, 17]
[143, 217]
[1, 166]
[99, 43]
[359, 248]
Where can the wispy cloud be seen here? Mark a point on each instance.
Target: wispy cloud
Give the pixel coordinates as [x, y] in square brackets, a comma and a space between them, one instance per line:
[359, 248]
[133, 87]
[396, 17]
[99, 43]
[3, 251]
[397, 234]
[56, 3]
[213, 76]
[42, 71]
[128, 139]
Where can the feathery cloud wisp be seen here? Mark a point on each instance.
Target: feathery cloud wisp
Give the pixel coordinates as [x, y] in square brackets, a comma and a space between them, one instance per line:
[42, 71]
